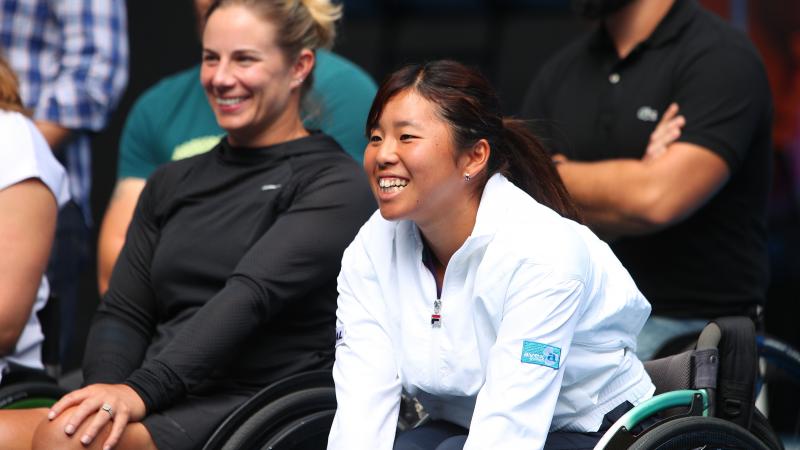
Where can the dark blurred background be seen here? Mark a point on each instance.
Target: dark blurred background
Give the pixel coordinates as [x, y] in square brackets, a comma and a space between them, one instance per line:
[509, 40]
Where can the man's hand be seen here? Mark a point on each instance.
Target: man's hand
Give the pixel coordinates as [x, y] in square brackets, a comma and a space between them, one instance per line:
[559, 158]
[666, 132]
[639, 196]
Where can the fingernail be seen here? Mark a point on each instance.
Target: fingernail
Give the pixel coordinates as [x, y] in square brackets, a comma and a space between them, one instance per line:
[69, 429]
[51, 415]
[107, 447]
[86, 439]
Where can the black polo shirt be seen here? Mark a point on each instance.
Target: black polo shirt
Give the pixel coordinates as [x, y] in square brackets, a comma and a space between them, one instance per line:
[591, 105]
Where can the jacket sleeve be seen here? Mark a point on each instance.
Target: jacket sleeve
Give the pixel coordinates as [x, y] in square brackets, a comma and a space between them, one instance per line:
[298, 253]
[367, 383]
[526, 364]
[126, 318]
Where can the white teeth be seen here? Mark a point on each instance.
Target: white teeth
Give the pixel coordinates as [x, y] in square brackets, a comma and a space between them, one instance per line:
[229, 101]
[386, 183]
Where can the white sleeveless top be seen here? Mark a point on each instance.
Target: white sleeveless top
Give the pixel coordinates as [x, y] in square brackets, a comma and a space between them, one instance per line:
[24, 154]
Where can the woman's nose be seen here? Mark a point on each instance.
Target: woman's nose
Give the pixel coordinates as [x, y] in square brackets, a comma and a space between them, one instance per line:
[223, 75]
[386, 153]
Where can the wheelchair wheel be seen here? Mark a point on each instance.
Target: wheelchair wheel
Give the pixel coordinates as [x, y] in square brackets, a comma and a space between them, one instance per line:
[264, 400]
[761, 429]
[309, 433]
[32, 394]
[272, 418]
[687, 433]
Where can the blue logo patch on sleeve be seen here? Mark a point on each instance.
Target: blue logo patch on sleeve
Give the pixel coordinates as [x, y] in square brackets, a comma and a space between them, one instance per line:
[541, 354]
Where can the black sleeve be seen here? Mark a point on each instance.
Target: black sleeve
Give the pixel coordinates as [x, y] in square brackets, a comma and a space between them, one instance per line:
[724, 94]
[126, 318]
[300, 251]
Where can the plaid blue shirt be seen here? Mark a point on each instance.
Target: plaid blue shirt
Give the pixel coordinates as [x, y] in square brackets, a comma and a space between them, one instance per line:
[71, 57]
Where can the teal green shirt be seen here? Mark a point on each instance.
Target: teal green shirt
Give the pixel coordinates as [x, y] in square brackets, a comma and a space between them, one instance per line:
[172, 120]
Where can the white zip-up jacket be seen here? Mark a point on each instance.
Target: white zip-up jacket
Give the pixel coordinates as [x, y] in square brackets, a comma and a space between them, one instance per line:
[538, 327]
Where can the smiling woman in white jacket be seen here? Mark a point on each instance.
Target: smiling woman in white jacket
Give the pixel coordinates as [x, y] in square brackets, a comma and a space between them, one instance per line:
[473, 289]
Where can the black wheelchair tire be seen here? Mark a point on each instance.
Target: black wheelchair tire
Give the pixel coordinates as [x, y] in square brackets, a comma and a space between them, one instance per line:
[761, 428]
[19, 392]
[271, 393]
[308, 433]
[698, 432]
[270, 419]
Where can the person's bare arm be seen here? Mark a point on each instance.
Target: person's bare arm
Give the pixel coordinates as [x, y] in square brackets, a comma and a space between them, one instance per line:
[27, 226]
[115, 225]
[628, 196]
[53, 133]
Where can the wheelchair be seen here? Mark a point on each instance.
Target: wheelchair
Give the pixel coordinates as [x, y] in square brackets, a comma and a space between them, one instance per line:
[295, 413]
[24, 387]
[700, 403]
[292, 414]
[705, 397]
[704, 400]
[38, 392]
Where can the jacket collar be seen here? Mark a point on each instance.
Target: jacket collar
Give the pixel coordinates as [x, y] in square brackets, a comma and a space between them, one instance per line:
[493, 208]
[491, 213]
[316, 142]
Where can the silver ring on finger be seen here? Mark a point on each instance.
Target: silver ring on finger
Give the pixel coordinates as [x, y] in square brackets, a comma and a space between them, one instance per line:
[107, 408]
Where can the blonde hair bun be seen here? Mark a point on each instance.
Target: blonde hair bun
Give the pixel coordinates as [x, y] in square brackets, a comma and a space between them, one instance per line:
[325, 14]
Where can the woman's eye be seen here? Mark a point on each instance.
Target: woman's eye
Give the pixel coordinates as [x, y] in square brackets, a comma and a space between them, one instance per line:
[406, 137]
[374, 138]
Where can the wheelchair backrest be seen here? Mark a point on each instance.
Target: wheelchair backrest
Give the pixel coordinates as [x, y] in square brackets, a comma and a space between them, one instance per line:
[738, 370]
[724, 362]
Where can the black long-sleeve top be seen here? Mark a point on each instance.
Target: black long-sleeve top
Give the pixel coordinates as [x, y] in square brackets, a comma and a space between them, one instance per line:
[228, 274]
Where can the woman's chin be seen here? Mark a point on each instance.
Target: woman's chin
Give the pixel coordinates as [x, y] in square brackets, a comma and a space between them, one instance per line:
[391, 213]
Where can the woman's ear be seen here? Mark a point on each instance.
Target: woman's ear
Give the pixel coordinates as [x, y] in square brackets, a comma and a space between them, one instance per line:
[477, 158]
[302, 67]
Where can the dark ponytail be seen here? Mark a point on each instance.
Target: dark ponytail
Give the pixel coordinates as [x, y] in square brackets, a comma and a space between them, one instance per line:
[521, 158]
[466, 101]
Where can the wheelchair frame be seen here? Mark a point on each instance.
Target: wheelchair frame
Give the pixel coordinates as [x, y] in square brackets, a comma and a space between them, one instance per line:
[731, 423]
[618, 437]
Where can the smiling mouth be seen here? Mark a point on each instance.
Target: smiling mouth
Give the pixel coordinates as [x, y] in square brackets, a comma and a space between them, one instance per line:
[391, 185]
[229, 101]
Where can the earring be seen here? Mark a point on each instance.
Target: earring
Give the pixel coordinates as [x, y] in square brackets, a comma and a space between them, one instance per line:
[467, 177]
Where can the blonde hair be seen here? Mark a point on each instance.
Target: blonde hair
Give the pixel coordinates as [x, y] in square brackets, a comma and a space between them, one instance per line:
[299, 24]
[9, 89]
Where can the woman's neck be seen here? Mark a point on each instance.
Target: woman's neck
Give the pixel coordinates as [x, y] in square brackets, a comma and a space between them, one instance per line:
[447, 232]
[286, 127]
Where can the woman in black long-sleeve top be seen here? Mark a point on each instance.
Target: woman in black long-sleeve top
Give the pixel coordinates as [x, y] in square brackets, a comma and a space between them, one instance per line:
[227, 280]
